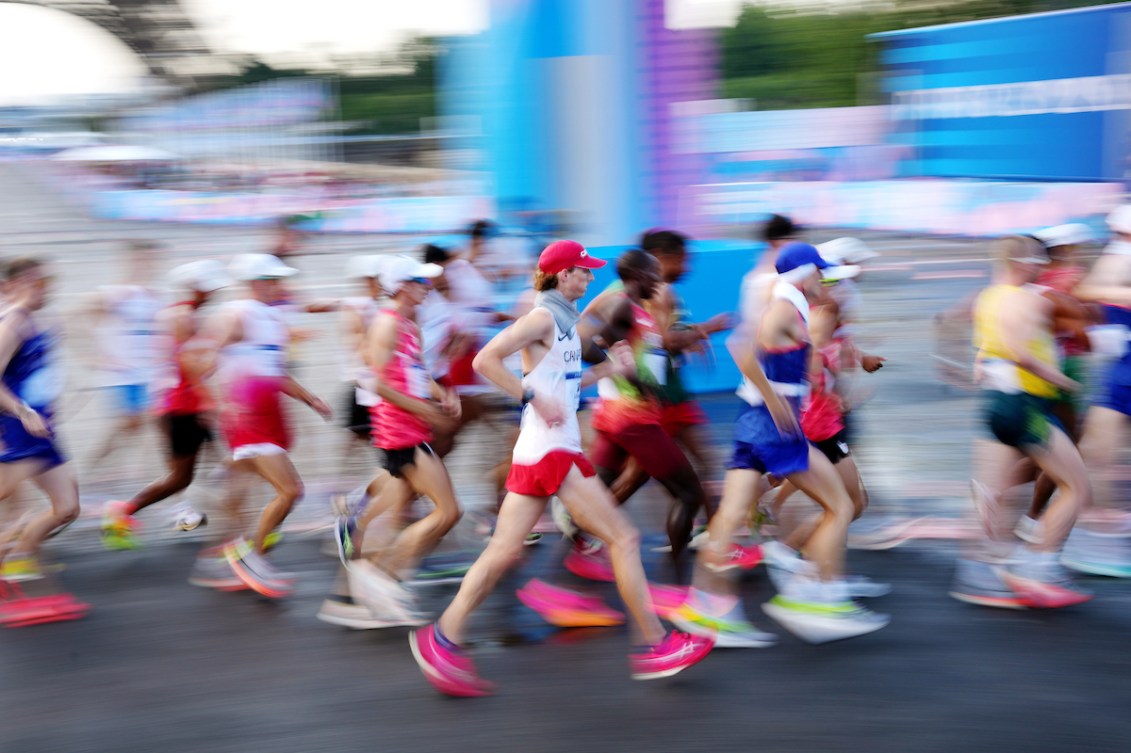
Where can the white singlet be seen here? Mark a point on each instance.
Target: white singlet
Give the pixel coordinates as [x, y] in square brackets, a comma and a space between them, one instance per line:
[263, 350]
[558, 376]
[131, 339]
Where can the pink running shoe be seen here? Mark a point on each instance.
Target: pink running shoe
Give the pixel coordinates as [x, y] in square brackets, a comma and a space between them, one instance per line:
[744, 557]
[566, 608]
[676, 652]
[450, 672]
[666, 600]
[590, 560]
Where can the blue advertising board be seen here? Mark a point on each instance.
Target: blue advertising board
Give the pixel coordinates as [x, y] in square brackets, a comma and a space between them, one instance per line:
[1044, 96]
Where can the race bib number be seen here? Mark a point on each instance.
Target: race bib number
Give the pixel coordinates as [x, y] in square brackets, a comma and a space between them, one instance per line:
[656, 362]
[419, 382]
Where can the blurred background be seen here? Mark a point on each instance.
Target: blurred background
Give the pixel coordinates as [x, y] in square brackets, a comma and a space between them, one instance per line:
[597, 117]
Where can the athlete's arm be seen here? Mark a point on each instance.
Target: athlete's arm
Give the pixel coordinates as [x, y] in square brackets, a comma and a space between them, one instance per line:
[1098, 285]
[224, 329]
[618, 362]
[535, 327]
[11, 337]
[381, 346]
[354, 327]
[1022, 322]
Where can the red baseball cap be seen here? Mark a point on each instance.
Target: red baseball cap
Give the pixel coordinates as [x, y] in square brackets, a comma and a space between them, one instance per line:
[562, 255]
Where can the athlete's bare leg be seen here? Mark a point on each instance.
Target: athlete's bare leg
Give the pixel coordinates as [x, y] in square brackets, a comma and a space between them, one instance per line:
[63, 491]
[826, 546]
[1104, 435]
[280, 472]
[517, 517]
[428, 477]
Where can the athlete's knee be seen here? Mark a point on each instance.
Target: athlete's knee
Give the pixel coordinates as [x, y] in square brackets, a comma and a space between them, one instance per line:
[66, 510]
[625, 539]
[447, 516]
[291, 491]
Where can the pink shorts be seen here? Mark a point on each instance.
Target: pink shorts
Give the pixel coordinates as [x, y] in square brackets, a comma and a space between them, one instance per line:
[254, 415]
[544, 478]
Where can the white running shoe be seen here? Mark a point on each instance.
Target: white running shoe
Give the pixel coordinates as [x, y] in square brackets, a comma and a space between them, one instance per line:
[1030, 530]
[385, 598]
[187, 518]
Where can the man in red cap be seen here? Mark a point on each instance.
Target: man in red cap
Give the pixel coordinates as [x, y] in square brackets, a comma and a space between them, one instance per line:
[548, 461]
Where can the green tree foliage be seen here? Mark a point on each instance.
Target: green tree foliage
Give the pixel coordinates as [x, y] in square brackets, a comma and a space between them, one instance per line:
[783, 57]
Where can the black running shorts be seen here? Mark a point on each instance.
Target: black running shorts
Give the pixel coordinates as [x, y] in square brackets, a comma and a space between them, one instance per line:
[187, 432]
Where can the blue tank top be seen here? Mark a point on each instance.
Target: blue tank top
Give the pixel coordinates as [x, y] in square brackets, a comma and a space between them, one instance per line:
[787, 366]
[1120, 371]
[32, 373]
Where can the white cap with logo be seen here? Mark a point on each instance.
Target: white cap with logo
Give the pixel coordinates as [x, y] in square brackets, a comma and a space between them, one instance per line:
[249, 267]
[1065, 235]
[1120, 219]
[205, 275]
[367, 265]
[397, 270]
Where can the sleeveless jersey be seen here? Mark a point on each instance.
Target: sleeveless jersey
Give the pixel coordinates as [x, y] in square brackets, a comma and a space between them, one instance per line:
[622, 404]
[353, 367]
[185, 396]
[1001, 373]
[263, 350]
[786, 368]
[395, 428]
[33, 374]
[557, 376]
[130, 339]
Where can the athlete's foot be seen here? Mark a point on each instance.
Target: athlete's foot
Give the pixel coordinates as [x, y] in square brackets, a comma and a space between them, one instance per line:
[590, 559]
[863, 587]
[446, 666]
[187, 518]
[1096, 553]
[18, 568]
[565, 608]
[818, 612]
[739, 557]
[980, 583]
[256, 571]
[211, 570]
[726, 625]
[675, 653]
[383, 595]
[344, 529]
[1040, 581]
[118, 527]
[344, 611]
[666, 600]
[1029, 530]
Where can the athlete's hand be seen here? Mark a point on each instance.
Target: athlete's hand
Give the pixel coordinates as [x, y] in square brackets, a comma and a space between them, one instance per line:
[451, 404]
[321, 407]
[1068, 385]
[872, 364]
[718, 323]
[621, 358]
[784, 418]
[437, 417]
[549, 409]
[34, 423]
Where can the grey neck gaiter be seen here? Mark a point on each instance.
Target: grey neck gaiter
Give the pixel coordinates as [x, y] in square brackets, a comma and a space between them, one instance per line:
[565, 312]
